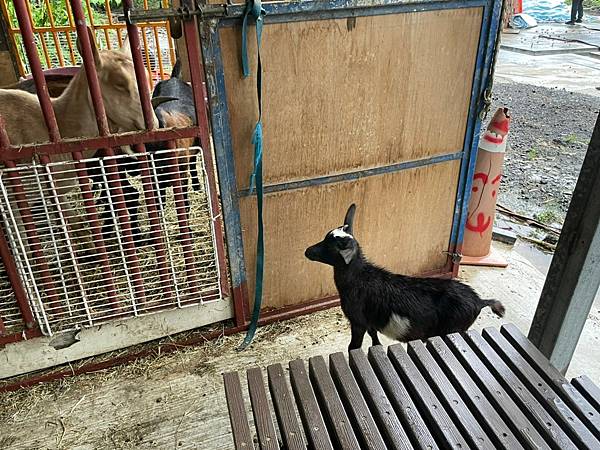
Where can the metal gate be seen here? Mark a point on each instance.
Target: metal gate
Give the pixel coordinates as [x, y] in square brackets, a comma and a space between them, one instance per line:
[376, 102]
[93, 234]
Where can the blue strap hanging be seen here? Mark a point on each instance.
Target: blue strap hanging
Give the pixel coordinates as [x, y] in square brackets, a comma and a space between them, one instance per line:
[254, 8]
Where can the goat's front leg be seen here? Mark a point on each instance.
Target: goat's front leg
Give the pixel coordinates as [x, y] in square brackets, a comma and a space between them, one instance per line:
[374, 336]
[358, 333]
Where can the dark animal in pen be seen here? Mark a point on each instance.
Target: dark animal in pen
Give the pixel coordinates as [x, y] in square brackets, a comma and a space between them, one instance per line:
[401, 307]
[173, 104]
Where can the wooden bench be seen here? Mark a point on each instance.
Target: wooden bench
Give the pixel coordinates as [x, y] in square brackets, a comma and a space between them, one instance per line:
[486, 391]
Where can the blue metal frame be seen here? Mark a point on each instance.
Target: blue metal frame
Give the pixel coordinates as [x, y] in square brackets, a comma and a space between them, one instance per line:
[489, 29]
[349, 176]
[330, 9]
[303, 11]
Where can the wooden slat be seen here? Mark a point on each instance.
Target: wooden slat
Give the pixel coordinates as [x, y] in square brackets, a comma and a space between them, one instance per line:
[383, 411]
[403, 404]
[267, 438]
[242, 437]
[339, 424]
[430, 406]
[505, 405]
[588, 389]
[455, 405]
[355, 404]
[544, 394]
[284, 408]
[576, 401]
[312, 419]
[544, 422]
[485, 413]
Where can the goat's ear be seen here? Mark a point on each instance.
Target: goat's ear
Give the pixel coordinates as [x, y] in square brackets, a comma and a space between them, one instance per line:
[349, 219]
[126, 47]
[157, 101]
[95, 52]
[348, 253]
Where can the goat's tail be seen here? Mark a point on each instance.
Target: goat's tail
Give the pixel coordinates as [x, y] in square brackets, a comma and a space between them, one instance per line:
[496, 306]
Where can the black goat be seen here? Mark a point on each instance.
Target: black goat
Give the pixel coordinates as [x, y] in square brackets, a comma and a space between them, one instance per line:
[401, 307]
[173, 103]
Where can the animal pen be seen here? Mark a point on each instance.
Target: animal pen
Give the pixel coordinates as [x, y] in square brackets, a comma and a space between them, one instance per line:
[352, 112]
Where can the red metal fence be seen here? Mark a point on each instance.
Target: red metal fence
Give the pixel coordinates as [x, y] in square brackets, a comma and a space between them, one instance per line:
[63, 273]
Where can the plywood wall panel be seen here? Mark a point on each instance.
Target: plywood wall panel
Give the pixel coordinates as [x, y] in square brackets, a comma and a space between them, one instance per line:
[403, 222]
[339, 98]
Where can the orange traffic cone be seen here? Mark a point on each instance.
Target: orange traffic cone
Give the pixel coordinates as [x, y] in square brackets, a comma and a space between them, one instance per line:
[477, 245]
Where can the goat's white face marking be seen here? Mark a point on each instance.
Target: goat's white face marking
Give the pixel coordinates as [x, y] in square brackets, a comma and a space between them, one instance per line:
[341, 233]
[397, 327]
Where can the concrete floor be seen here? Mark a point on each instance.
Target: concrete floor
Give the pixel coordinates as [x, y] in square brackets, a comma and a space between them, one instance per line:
[530, 57]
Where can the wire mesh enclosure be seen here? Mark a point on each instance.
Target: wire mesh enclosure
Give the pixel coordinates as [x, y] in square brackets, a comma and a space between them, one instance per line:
[109, 207]
[65, 278]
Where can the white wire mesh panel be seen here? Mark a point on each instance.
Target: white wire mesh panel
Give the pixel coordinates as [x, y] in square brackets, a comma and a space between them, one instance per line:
[70, 279]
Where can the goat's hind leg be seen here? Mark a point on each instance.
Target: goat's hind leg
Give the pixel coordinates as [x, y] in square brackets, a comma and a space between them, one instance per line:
[374, 336]
[358, 334]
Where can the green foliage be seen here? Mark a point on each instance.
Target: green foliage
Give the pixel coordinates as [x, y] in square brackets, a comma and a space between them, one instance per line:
[532, 153]
[548, 216]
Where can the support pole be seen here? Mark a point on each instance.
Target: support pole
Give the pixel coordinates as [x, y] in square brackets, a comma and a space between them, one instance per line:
[574, 276]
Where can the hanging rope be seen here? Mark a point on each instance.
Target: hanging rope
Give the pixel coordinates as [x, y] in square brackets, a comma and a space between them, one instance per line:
[254, 8]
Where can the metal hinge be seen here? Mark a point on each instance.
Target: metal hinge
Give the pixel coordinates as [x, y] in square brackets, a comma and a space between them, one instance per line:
[175, 15]
[456, 257]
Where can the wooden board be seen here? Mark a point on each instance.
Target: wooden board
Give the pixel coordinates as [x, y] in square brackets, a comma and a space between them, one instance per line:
[284, 408]
[237, 411]
[338, 98]
[403, 222]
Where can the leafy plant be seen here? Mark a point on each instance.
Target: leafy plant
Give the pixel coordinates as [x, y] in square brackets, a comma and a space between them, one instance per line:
[571, 138]
[548, 216]
[532, 153]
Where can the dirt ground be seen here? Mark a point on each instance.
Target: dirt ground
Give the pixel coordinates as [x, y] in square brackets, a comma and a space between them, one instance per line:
[550, 132]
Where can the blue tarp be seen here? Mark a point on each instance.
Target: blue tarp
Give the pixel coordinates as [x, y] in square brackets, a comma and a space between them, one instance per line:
[547, 10]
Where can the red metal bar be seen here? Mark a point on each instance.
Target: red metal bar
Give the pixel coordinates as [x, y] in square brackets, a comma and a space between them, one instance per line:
[33, 240]
[18, 152]
[90, 67]
[103, 129]
[53, 131]
[2, 327]
[149, 121]
[134, 40]
[138, 64]
[36, 69]
[27, 217]
[198, 83]
[184, 229]
[150, 196]
[7, 257]
[15, 283]
[22, 336]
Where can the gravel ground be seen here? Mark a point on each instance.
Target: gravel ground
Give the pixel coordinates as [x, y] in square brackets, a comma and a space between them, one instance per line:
[549, 135]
